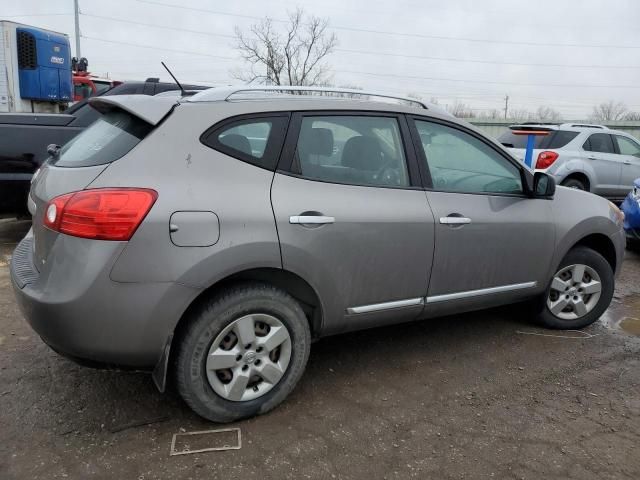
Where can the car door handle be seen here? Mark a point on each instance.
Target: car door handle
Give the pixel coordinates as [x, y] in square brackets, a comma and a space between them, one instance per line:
[627, 162]
[455, 220]
[310, 219]
[592, 157]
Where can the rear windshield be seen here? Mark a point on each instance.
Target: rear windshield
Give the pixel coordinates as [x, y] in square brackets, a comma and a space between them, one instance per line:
[110, 137]
[555, 139]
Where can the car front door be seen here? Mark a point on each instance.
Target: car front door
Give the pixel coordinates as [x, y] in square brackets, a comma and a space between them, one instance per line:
[493, 243]
[352, 217]
[629, 151]
[605, 164]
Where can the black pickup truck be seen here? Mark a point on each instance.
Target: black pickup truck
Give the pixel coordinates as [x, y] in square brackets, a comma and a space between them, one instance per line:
[24, 138]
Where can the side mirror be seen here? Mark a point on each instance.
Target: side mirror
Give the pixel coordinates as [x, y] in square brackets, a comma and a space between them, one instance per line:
[53, 150]
[544, 186]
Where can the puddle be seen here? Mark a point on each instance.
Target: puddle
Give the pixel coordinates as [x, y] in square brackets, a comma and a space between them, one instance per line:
[631, 325]
[624, 316]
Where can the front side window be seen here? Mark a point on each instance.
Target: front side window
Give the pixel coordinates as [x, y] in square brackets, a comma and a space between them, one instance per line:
[459, 162]
[252, 140]
[627, 146]
[599, 142]
[351, 149]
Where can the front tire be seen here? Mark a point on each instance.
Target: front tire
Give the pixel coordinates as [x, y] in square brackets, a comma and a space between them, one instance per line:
[579, 292]
[242, 353]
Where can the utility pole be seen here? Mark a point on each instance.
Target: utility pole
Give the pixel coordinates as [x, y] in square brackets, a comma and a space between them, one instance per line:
[76, 9]
[506, 106]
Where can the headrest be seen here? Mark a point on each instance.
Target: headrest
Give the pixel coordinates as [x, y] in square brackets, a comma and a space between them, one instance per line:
[317, 141]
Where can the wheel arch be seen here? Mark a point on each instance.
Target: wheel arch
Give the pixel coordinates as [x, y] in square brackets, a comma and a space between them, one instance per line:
[286, 280]
[581, 176]
[602, 244]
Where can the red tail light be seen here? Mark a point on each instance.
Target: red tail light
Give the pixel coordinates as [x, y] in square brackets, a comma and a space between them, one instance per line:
[545, 159]
[101, 213]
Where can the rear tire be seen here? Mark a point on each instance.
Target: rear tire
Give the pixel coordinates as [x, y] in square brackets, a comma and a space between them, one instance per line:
[574, 183]
[202, 385]
[579, 292]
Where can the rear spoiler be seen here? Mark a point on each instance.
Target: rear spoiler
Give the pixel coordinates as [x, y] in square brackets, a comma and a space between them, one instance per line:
[150, 109]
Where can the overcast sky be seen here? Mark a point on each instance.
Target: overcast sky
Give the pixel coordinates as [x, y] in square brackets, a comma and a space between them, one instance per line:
[565, 54]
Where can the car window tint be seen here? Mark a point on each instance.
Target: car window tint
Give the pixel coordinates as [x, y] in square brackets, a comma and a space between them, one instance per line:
[459, 162]
[254, 140]
[110, 137]
[599, 142]
[627, 146]
[560, 139]
[249, 138]
[555, 139]
[358, 150]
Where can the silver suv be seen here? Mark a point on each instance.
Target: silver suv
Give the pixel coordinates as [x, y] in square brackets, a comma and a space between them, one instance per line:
[582, 156]
[214, 237]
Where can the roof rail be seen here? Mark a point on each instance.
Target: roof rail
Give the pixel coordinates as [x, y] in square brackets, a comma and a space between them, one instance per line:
[225, 93]
[584, 125]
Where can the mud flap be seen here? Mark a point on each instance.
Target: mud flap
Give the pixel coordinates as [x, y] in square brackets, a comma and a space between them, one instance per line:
[159, 374]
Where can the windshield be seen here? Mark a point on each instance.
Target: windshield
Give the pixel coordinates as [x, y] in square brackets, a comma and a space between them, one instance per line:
[106, 140]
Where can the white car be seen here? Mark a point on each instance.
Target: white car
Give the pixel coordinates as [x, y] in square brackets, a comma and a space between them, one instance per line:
[587, 157]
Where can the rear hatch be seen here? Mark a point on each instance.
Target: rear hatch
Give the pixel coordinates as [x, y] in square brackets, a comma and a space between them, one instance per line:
[124, 123]
[517, 144]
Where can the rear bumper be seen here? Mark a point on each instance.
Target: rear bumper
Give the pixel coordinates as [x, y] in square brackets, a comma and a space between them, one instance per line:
[81, 313]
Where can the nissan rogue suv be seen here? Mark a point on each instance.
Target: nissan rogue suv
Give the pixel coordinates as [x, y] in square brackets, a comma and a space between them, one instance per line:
[210, 239]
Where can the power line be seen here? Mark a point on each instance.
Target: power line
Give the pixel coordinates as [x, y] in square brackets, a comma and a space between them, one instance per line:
[199, 32]
[400, 34]
[38, 15]
[466, 60]
[420, 77]
[369, 52]
[129, 44]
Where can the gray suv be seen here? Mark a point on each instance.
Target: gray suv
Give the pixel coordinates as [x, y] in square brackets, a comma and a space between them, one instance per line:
[211, 239]
[582, 156]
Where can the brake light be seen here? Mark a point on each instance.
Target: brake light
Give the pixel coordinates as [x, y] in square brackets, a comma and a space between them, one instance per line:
[101, 213]
[545, 159]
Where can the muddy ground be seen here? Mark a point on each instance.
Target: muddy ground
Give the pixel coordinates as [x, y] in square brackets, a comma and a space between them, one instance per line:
[483, 395]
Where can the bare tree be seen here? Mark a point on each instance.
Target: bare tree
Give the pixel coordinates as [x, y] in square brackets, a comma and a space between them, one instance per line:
[460, 110]
[520, 115]
[632, 116]
[608, 111]
[294, 56]
[547, 114]
[493, 114]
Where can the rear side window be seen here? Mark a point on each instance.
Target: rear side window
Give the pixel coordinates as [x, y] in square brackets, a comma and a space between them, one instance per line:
[253, 140]
[110, 137]
[599, 142]
[356, 150]
[555, 139]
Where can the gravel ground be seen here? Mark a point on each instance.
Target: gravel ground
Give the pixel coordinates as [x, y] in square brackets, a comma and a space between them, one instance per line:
[483, 395]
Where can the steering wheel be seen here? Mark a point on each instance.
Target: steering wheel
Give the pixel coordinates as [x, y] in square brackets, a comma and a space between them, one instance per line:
[387, 173]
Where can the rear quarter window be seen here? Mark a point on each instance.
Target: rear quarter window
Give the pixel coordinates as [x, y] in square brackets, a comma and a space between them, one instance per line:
[109, 138]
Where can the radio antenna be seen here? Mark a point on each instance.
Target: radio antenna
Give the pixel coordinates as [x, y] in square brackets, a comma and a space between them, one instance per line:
[184, 93]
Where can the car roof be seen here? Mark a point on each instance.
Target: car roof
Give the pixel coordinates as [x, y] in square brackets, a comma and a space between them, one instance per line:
[318, 98]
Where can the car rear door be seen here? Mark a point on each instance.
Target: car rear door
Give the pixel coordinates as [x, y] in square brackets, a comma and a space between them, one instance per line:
[606, 165]
[352, 217]
[629, 151]
[493, 243]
